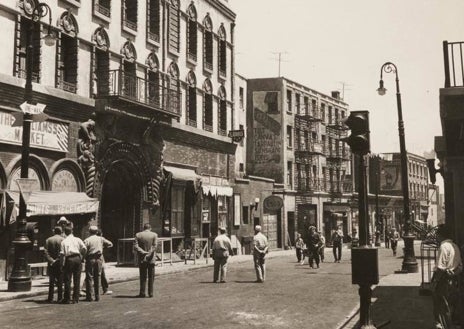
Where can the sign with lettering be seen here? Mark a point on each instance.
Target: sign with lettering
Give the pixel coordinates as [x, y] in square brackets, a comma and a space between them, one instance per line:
[273, 203]
[47, 135]
[64, 181]
[237, 135]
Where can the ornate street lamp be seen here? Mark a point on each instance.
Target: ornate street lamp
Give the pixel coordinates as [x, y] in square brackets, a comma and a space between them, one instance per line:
[409, 261]
[20, 278]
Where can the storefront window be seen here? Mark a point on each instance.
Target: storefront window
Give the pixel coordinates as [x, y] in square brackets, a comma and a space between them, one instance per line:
[177, 210]
[222, 211]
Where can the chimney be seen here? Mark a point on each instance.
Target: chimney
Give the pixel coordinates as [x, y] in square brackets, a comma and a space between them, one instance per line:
[336, 94]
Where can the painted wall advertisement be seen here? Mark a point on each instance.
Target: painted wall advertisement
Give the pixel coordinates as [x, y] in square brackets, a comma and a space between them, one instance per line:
[47, 135]
[390, 177]
[267, 138]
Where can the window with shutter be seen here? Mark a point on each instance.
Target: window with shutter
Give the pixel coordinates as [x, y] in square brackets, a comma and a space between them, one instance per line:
[191, 100]
[208, 44]
[153, 20]
[174, 27]
[222, 52]
[208, 106]
[192, 34]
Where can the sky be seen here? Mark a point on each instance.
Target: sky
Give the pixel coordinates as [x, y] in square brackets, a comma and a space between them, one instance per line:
[326, 44]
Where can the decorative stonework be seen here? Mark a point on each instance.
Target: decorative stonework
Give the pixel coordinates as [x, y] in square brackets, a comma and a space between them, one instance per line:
[68, 23]
[152, 62]
[128, 50]
[86, 153]
[100, 37]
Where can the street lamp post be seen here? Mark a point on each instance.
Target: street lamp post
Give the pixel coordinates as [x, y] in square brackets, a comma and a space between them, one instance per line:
[20, 278]
[409, 261]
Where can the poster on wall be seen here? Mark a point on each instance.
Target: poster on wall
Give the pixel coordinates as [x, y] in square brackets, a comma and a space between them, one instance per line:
[390, 177]
[267, 131]
[237, 206]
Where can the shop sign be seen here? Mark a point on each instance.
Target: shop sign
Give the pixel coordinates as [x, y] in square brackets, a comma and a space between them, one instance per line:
[237, 135]
[64, 181]
[273, 203]
[47, 135]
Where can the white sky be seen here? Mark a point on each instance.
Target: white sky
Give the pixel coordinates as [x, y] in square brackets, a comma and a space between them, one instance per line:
[328, 41]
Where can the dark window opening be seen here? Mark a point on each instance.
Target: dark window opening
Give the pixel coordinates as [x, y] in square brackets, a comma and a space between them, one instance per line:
[130, 14]
[222, 117]
[208, 50]
[24, 35]
[154, 88]
[208, 123]
[192, 40]
[102, 69]
[192, 106]
[245, 215]
[154, 20]
[103, 7]
[68, 63]
[129, 82]
[222, 58]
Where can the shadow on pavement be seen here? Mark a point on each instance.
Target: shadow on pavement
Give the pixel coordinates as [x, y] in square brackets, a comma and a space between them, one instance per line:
[248, 281]
[128, 296]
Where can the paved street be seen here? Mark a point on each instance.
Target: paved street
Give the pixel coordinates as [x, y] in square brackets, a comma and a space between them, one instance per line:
[293, 296]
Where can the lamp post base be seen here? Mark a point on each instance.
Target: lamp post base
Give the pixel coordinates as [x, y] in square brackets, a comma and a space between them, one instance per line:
[20, 278]
[409, 261]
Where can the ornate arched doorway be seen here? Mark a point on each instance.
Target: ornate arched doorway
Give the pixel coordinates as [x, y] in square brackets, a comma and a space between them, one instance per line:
[121, 203]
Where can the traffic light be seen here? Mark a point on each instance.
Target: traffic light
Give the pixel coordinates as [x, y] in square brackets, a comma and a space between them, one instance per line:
[359, 140]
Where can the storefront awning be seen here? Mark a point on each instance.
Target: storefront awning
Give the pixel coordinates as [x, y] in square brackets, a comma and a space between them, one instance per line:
[215, 190]
[183, 174]
[56, 203]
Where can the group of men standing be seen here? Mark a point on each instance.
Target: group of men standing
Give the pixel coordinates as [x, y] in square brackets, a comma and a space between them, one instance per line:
[65, 254]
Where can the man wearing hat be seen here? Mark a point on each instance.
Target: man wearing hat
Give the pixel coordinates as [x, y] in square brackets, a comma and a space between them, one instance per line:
[63, 222]
[93, 262]
[260, 249]
[222, 248]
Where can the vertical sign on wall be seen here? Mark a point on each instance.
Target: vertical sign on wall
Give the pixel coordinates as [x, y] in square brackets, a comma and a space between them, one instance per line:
[237, 206]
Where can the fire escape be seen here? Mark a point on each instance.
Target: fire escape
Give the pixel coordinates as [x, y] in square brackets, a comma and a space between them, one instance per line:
[308, 149]
[337, 155]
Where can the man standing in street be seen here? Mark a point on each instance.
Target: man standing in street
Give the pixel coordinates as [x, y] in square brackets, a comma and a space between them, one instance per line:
[104, 280]
[145, 245]
[394, 237]
[52, 253]
[337, 243]
[72, 253]
[222, 248]
[445, 279]
[93, 262]
[260, 249]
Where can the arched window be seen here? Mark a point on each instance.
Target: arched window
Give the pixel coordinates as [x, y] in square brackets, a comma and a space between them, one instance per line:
[174, 89]
[67, 48]
[208, 44]
[222, 52]
[153, 80]
[192, 33]
[101, 62]
[174, 27]
[207, 105]
[222, 115]
[129, 71]
[191, 99]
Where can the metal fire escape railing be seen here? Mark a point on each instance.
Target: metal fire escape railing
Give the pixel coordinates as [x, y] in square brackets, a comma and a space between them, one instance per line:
[139, 90]
[454, 63]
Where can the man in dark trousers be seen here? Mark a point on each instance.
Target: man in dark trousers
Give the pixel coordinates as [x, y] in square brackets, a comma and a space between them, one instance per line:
[222, 249]
[52, 253]
[72, 253]
[145, 245]
[94, 262]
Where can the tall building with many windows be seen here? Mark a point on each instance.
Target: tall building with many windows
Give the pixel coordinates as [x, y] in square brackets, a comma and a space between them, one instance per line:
[294, 137]
[153, 82]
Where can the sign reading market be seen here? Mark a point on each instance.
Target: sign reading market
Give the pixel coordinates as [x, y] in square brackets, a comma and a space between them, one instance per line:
[47, 135]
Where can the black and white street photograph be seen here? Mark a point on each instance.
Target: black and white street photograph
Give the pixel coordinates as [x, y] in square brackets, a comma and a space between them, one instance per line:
[231, 164]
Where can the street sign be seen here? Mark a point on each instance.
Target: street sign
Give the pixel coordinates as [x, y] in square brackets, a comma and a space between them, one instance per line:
[273, 203]
[35, 111]
[32, 109]
[237, 135]
[27, 186]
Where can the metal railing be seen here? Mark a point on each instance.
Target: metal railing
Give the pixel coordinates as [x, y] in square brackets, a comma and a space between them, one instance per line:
[67, 86]
[35, 75]
[153, 36]
[454, 64]
[310, 113]
[105, 11]
[308, 184]
[337, 153]
[311, 148]
[151, 93]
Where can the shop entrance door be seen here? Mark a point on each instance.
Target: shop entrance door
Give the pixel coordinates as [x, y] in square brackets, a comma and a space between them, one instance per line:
[120, 205]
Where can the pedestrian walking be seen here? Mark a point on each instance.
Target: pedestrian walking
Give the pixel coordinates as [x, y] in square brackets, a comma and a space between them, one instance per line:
[222, 249]
[387, 239]
[394, 237]
[72, 252]
[104, 281]
[55, 273]
[145, 245]
[445, 279]
[299, 247]
[313, 244]
[94, 263]
[337, 244]
[322, 247]
[260, 249]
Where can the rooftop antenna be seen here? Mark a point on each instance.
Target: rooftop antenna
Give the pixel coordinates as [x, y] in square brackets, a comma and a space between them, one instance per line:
[279, 59]
[344, 85]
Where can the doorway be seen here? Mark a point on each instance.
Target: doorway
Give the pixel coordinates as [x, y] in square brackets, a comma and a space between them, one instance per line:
[120, 205]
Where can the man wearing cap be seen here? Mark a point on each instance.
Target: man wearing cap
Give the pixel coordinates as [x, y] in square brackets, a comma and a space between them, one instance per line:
[63, 222]
[145, 245]
[93, 262]
[222, 248]
[52, 253]
[72, 253]
[260, 249]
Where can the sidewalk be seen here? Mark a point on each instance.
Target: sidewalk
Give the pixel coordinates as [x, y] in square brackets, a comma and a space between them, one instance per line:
[396, 304]
[116, 274]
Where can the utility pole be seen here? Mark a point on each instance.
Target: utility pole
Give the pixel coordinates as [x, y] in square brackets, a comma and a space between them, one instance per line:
[344, 85]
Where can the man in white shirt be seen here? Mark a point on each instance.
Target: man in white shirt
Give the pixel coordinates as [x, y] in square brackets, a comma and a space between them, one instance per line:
[72, 253]
[445, 277]
[222, 249]
[260, 249]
